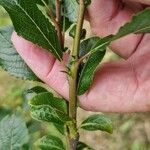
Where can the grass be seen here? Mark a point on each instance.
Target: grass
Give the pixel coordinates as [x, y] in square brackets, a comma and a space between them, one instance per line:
[132, 131]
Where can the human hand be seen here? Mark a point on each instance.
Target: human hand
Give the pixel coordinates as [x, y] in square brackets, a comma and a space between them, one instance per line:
[121, 86]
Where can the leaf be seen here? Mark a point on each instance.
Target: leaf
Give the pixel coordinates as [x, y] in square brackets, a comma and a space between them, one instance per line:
[71, 9]
[50, 143]
[60, 128]
[65, 25]
[37, 90]
[46, 107]
[10, 59]
[87, 2]
[98, 122]
[83, 146]
[72, 32]
[30, 23]
[13, 133]
[140, 24]
[4, 111]
[89, 68]
[41, 3]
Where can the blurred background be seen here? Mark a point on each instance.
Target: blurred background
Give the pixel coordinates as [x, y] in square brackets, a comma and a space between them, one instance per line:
[132, 131]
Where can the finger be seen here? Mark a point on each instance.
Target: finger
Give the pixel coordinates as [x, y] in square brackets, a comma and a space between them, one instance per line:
[43, 64]
[147, 2]
[107, 20]
[111, 83]
[116, 89]
[123, 86]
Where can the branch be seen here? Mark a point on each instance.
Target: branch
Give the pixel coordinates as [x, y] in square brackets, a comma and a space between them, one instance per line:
[73, 78]
[58, 20]
[78, 29]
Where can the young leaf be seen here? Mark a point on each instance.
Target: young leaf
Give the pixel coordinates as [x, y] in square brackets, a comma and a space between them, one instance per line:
[30, 23]
[13, 133]
[10, 59]
[46, 107]
[89, 68]
[83, 146]
[140, 24]
[71, 8]
[98, 122]
[51, 143]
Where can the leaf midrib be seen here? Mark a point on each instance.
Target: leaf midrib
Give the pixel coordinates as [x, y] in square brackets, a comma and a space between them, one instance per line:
[148, 27]
[38, 28]
[5, 39]
[53, 108]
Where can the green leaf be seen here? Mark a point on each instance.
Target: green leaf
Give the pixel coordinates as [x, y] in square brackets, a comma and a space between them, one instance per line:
[65, 25]
[30, 23]
[87, 2]
[37, 90]
[98, 122]
[50, 143]
[46, 107]
[83, 146]
[13, 133]
[140, 24]
[71, 9]
[72, 32]
[41, 3]
[4, 111]
[10, 59]
[60, 128]
[89, 68]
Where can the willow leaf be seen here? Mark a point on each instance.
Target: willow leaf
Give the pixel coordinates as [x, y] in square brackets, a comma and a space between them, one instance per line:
[71, 8]
[30, 23]
[98, 122]
[10, 59]
[13, 133]
[50, 142]
[89, 67]
[140, 24]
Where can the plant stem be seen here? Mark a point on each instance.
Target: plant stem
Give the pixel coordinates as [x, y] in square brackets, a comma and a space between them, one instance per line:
[58, 20]
[73, 78]
[78, 29]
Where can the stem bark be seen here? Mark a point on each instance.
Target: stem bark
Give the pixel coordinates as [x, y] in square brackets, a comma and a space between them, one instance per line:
[73, 134]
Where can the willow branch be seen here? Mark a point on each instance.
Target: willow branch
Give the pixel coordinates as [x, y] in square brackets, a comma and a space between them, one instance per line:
[58, 20]
[74, 74]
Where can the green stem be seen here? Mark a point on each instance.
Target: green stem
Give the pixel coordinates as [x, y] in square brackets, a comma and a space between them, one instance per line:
[78, 29]
[58, 20]
[73, 78]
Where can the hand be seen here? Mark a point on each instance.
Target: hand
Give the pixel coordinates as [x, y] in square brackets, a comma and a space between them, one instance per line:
[121, 86]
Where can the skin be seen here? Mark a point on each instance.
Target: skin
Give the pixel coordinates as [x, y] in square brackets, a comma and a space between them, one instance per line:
[121, 86]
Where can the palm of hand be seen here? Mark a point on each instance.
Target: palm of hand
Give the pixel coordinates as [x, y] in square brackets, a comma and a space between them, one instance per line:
[122, 86]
